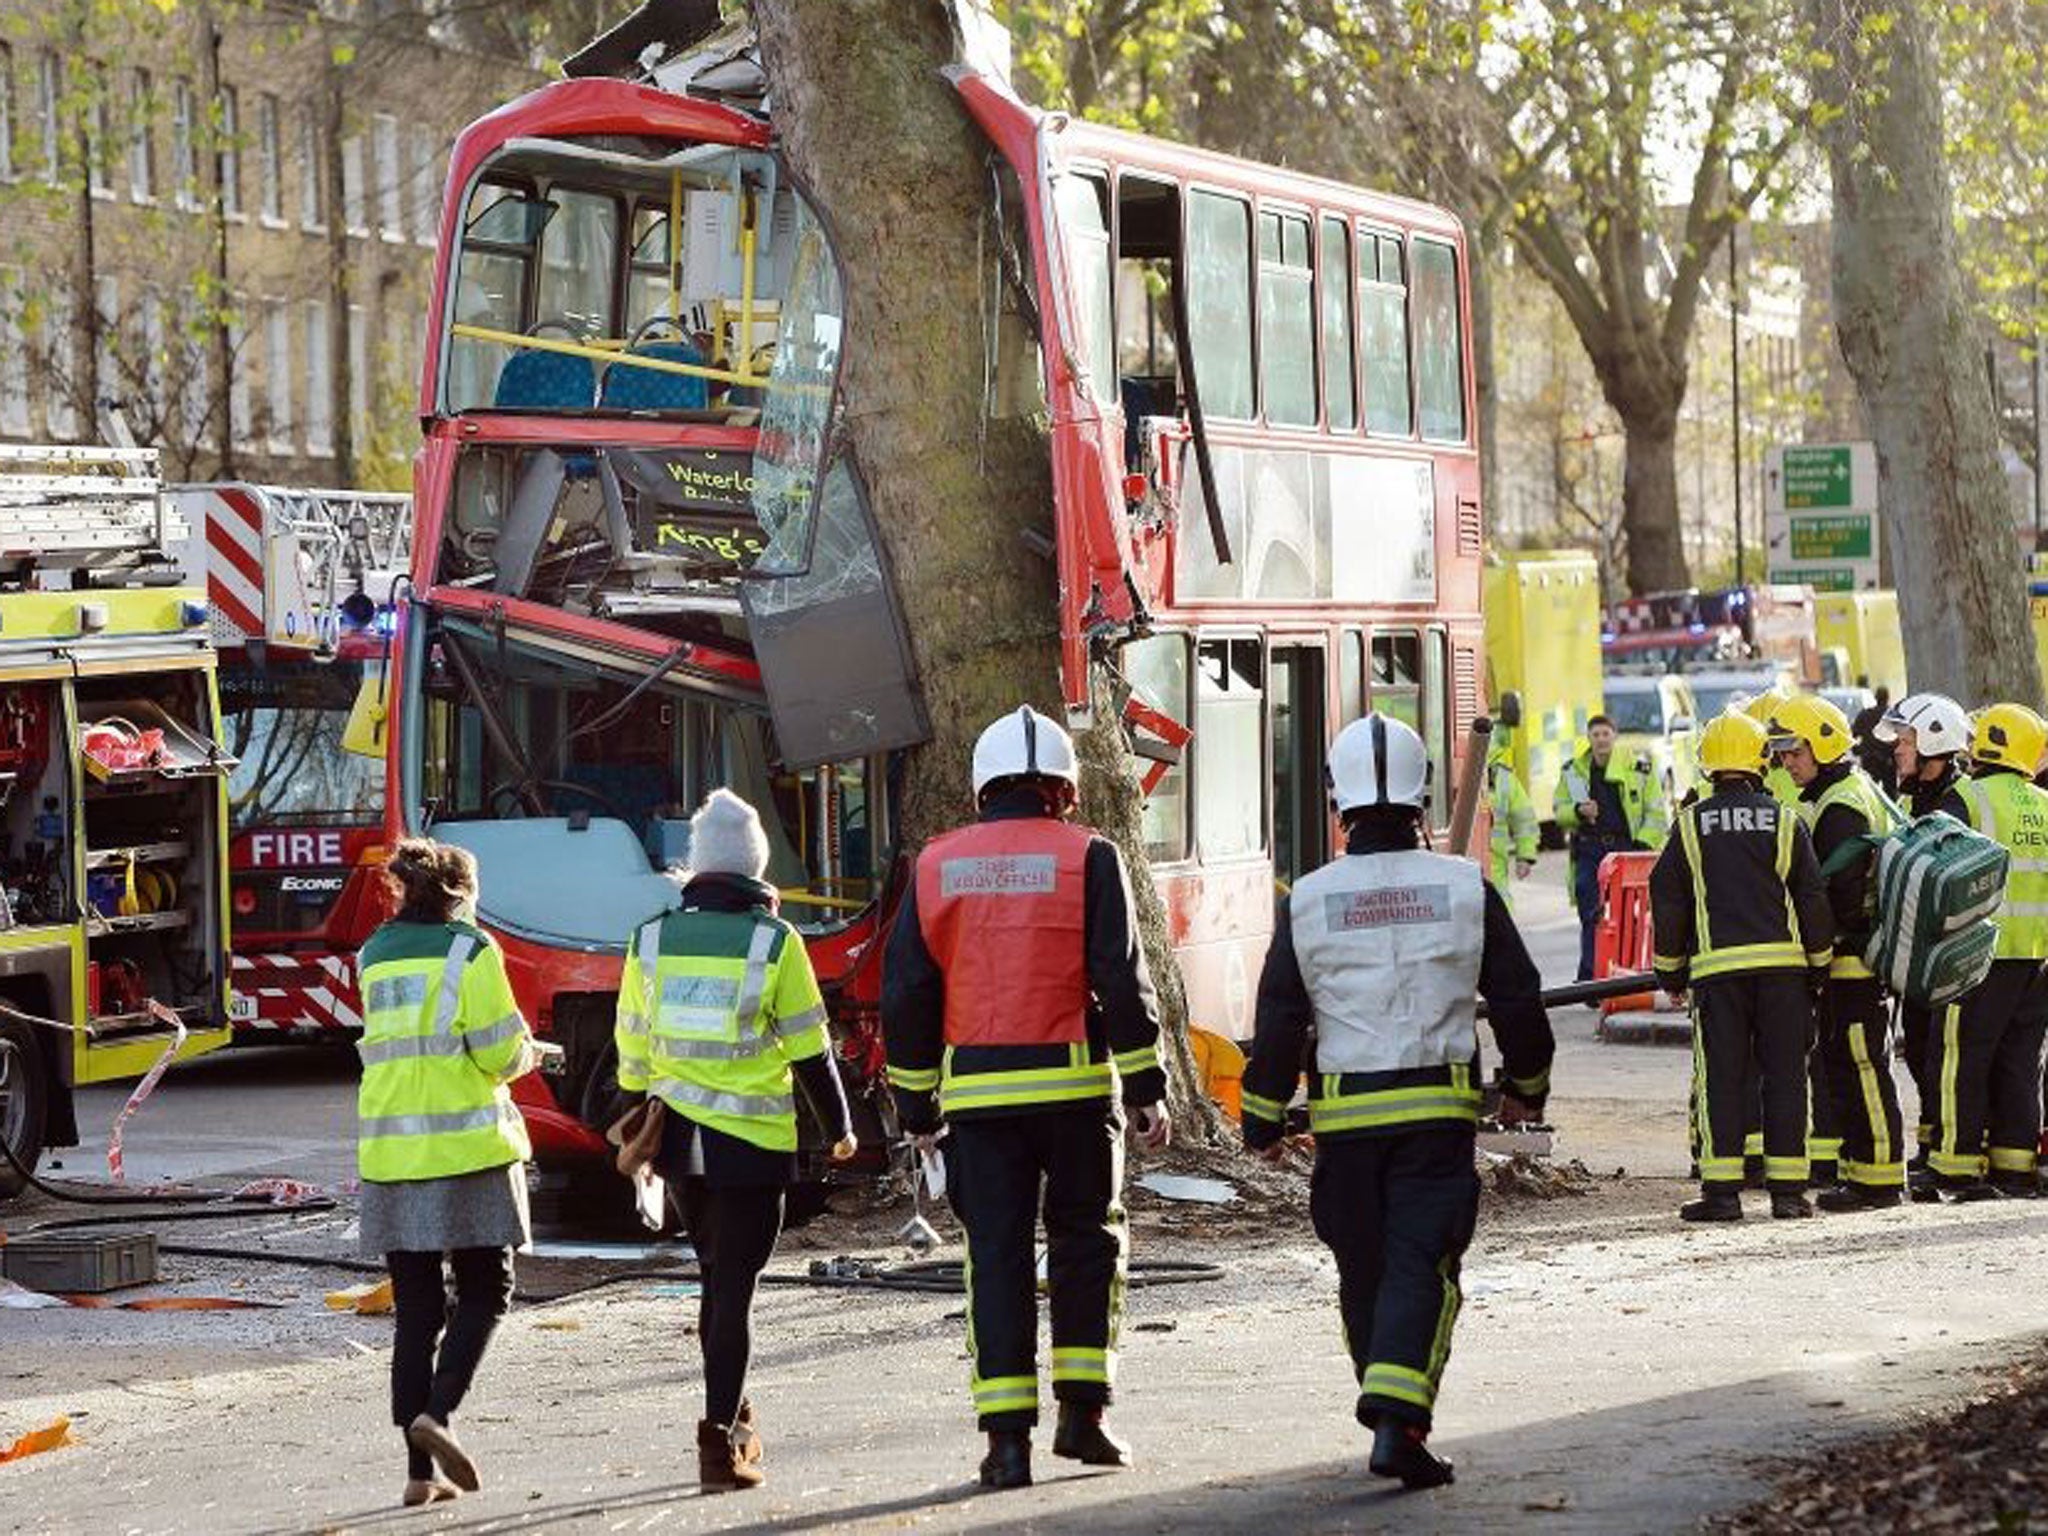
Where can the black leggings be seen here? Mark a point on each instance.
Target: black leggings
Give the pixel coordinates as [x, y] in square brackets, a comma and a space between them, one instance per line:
[733, 1230]
[436, 1349]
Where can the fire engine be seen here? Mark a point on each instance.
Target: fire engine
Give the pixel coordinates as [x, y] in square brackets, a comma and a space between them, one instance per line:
[113, 792]
[299, 582]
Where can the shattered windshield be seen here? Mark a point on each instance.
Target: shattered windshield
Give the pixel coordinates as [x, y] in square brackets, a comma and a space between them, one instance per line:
[619, 761]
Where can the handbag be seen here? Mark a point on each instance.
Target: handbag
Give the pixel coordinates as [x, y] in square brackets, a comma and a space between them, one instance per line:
[637, 1135]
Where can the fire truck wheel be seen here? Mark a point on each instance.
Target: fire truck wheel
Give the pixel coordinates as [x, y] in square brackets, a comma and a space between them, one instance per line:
[23, 1103]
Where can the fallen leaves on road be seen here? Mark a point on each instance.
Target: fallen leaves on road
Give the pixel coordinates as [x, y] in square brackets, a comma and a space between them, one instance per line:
[1979, 1468]
[372, 1299]
[1525, 1177]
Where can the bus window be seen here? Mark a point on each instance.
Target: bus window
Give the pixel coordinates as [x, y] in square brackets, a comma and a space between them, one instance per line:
[649, 292]
[1350, 677]
[1287, 346]
[490, 285]
[1219, 303]
[1230, 711]
[1397, 675]
[1083, 204]
[1436, 733]
[1383, 333]
[1301, 818]
[1157, 667]
[576, 264]
[1339, 398]
[1147, 350]
[1439, 353]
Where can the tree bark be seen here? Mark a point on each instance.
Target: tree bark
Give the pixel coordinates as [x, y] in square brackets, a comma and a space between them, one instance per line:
[902, 178]
[1903, 322]
[1649, 505]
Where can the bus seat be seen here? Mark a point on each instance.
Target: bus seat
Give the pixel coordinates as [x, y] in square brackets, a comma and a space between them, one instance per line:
[545, 381]
[627, 388]
[540, 880]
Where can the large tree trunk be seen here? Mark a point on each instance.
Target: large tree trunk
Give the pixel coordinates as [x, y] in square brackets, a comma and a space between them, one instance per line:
[902, 179]
[1905, 329]
[1649, 504]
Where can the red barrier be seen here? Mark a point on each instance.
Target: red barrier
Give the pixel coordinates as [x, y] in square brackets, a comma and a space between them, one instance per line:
[1622, 942]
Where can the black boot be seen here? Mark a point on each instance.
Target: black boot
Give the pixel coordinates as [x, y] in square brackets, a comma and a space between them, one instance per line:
[1923, 1187]
[1400, 1450]
[1083, 1437]
[1972, 1189]
[2017, 1186]
[1008, 1462]
[1849, 1198]
[1789, 1204]
[1712, 1205]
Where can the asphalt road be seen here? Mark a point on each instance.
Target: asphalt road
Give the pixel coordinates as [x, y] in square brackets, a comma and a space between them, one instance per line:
[1614, 1370]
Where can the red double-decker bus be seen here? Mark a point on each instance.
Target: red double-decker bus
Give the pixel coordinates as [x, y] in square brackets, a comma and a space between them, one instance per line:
[641, 571]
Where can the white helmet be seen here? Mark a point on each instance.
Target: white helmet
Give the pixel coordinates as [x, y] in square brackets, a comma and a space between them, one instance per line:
[1378, 761]
[1940, 725]
[1020, 744]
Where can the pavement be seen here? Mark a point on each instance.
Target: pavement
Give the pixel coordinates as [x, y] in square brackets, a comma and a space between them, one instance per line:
[1614, 1371]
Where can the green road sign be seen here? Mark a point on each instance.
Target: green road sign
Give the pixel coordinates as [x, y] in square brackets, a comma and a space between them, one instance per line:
[1819, 477]
[1822, 578]
[1846, 536]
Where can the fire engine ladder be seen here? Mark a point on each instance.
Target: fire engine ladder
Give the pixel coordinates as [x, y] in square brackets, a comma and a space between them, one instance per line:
[347, 539]
[66, 508]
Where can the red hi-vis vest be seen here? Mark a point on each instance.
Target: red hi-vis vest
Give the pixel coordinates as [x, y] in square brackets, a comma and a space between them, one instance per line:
[1002, 908]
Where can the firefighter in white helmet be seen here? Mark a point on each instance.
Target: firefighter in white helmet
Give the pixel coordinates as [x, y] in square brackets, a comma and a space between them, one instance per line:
[1017, 1007]
[1377, 957]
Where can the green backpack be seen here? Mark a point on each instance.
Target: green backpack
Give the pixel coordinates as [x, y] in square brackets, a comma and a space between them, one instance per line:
[1938, 883]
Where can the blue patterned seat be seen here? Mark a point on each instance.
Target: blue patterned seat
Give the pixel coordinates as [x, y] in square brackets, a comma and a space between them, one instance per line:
[627, 388]
[546, 381]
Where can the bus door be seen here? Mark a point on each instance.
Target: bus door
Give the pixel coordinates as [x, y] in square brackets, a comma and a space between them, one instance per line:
[1301, 813]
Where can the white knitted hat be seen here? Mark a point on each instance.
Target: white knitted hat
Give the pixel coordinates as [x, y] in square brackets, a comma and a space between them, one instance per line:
[726, 837]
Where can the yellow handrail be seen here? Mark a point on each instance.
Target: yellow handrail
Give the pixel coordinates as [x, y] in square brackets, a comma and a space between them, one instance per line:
[628, 359]
[841, 903]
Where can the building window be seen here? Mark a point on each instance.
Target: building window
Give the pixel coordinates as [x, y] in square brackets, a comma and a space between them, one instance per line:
[270, 148]
[49, 93]
[319, 382]
[195, 415]
[230, 151]
[241, 363]
[141, 142]
[277, 330]
[428, 172]
[1230, 755]
[1287, 325]
[353, 217]
[1157, 667]
[99, 148]
[390, 206]
[13, 356]
[184, 168]
[1220, 303]
[1383, 333]
[312, 173]
[6, 112]
[146, 415]
[358, 376]
[60, 354]
[107, 354]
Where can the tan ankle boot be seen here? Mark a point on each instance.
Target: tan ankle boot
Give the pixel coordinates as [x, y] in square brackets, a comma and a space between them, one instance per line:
[722, 1465]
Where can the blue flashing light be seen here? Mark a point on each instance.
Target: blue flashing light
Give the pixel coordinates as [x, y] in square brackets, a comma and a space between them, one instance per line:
[387, 620]
[1607, 637]
[1697, 629]
[192, 615]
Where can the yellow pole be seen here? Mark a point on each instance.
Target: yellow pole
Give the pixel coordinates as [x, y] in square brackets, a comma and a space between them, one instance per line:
[627, 360]
[746, 350]
[675, 248]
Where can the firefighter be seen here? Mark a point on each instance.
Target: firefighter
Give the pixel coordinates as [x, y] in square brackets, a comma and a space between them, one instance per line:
[1741, 919]
[1017, 1007]
[441, 1147]
[1605, 807]
[1812, 741]
[720, 1019]
[1986, 1059]
[1927, 733]
[1514, 822]
[1376, 956]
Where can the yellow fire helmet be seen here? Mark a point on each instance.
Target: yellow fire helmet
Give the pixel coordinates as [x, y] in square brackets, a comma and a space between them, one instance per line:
[2010, 736]
[1761, 707]
[1814, 720]
[1733, 743]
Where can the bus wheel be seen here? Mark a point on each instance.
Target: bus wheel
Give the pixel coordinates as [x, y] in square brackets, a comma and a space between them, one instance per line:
[23, 1105]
